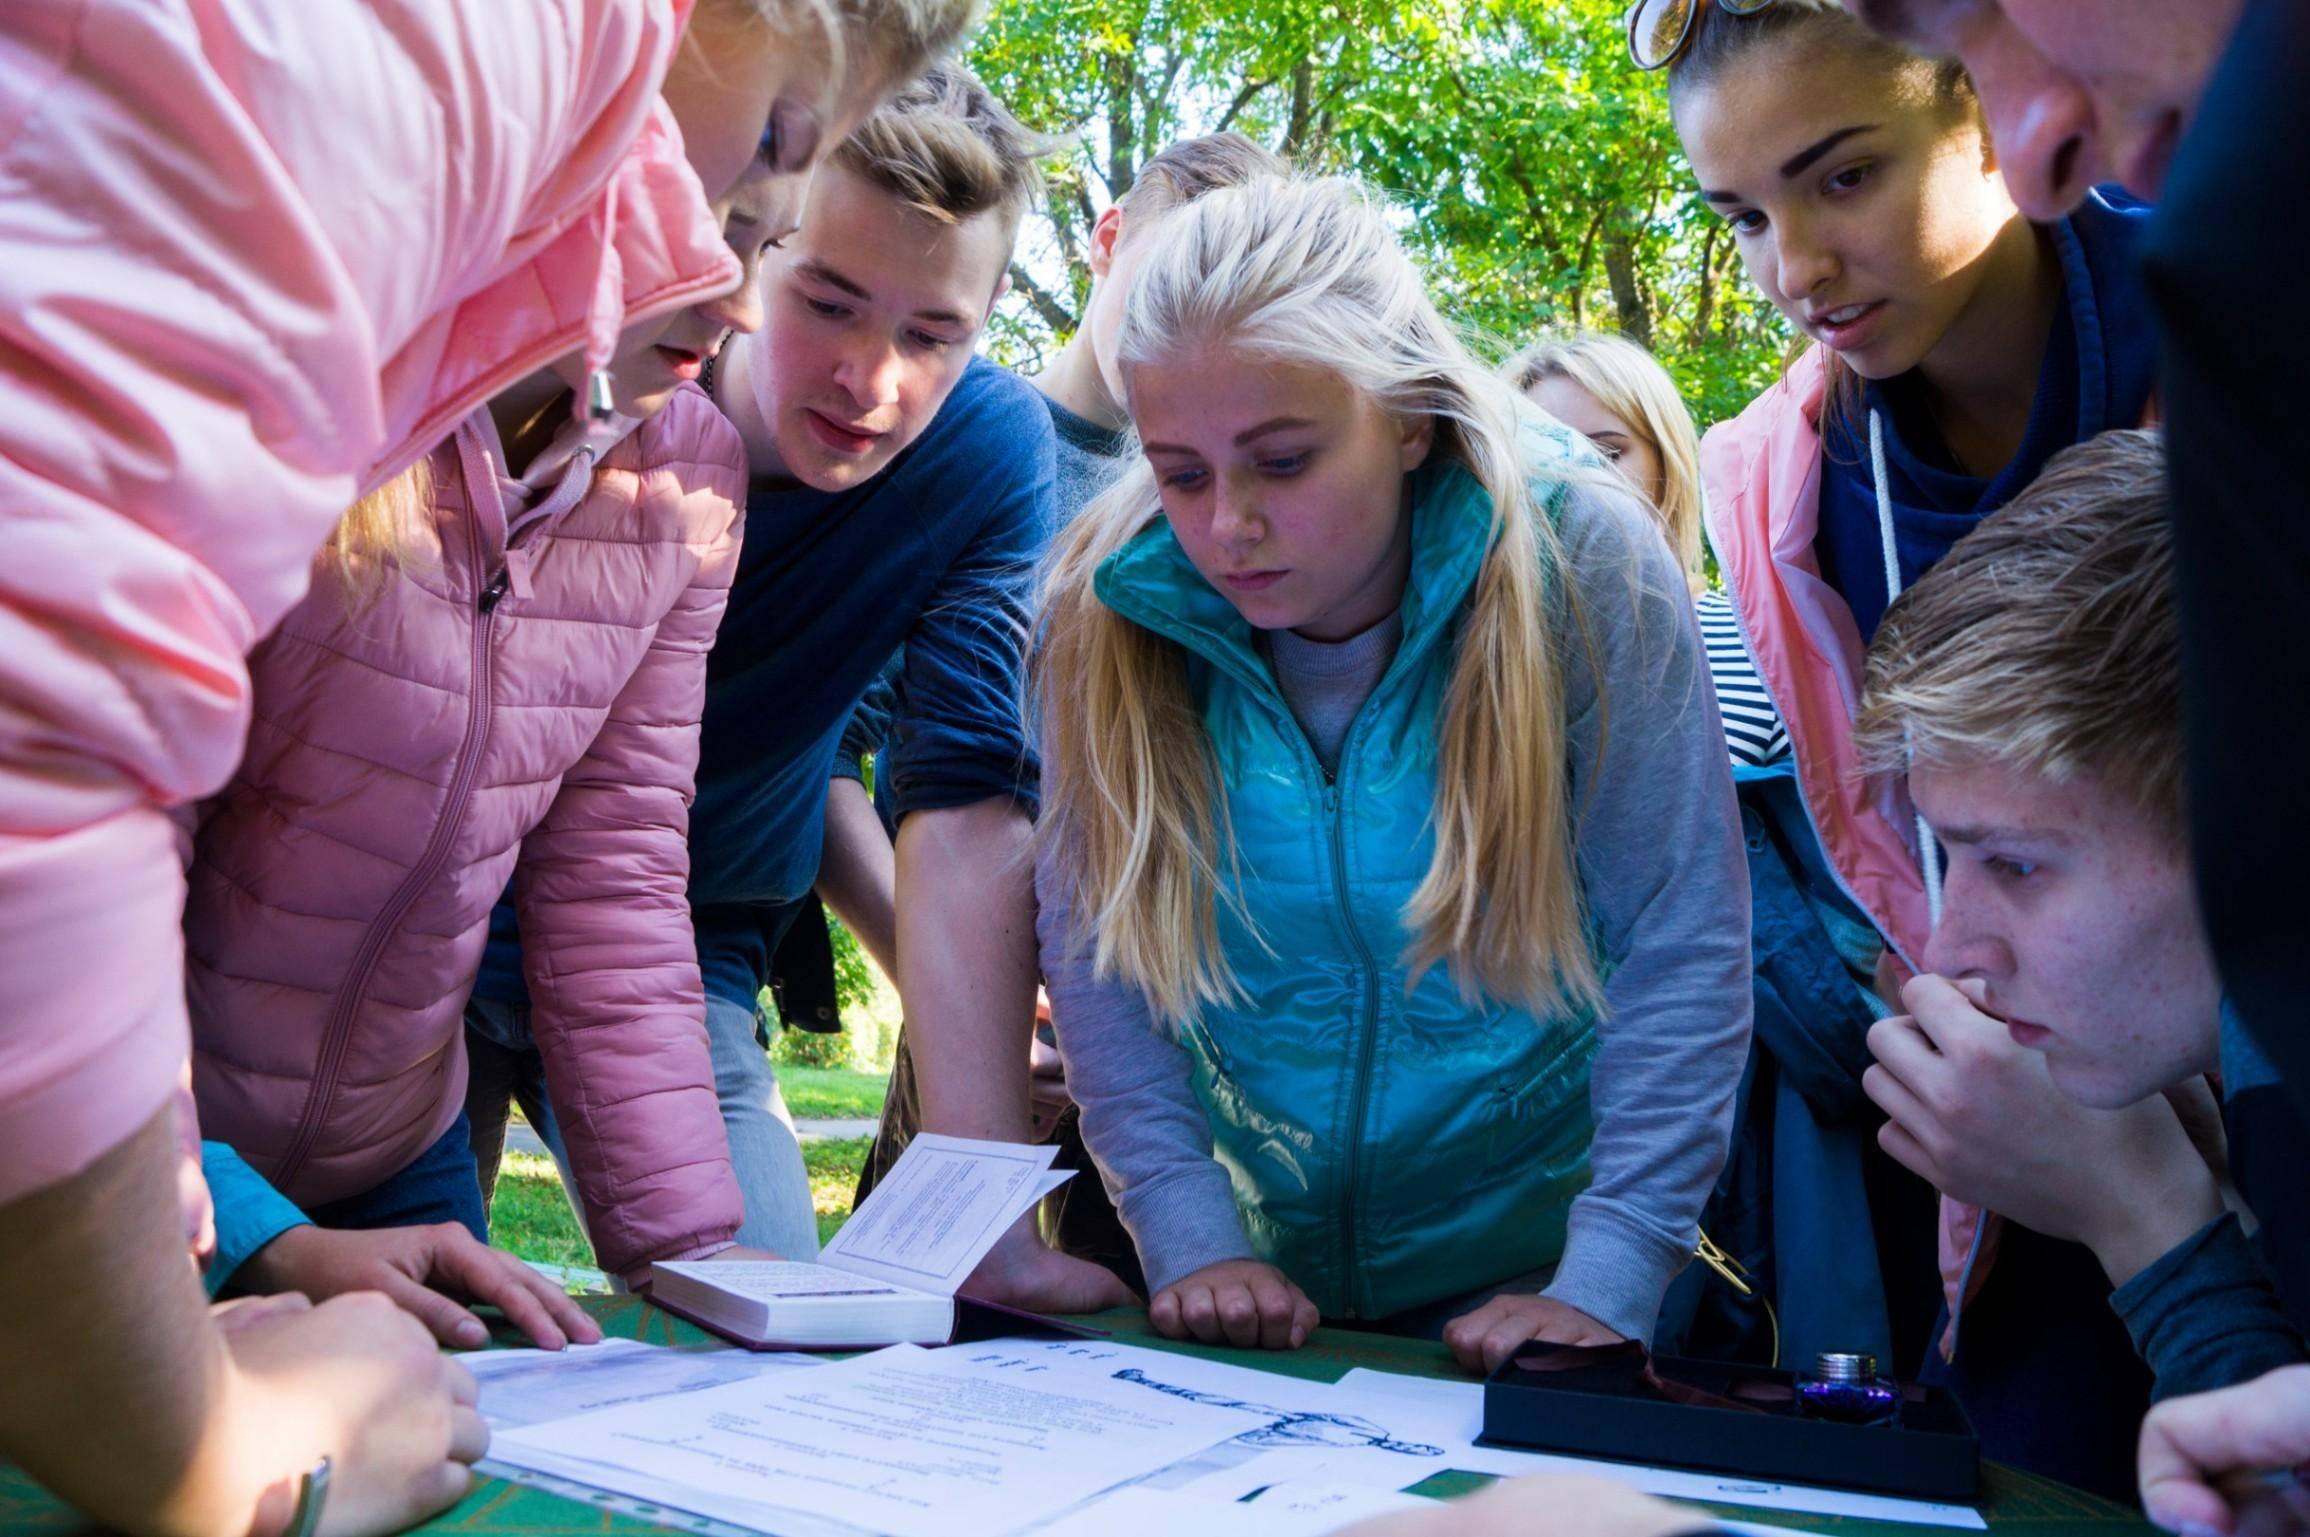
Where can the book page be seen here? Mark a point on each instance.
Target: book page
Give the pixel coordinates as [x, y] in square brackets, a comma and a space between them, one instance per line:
[960, 1442]
[784, 1280]
[532, 1387]
[939, 1209]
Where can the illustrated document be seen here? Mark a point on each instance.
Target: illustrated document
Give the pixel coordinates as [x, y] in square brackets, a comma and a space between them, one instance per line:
[972, 1441]
[891, 1275]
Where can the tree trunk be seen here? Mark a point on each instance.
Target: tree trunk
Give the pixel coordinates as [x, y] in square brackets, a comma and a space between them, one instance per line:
[1628, 296]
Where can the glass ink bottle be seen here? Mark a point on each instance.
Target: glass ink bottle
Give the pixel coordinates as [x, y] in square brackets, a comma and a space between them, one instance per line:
[1844, 1386]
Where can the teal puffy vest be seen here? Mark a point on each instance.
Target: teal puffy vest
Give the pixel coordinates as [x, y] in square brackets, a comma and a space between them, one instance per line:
[1390, 1146]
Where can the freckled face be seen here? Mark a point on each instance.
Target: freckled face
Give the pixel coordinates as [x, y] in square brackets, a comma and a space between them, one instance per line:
[1284, 484]
[2076, 909]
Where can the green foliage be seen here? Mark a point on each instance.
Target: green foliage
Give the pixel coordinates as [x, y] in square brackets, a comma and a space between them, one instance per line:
[810, 1049]
[1540, 180]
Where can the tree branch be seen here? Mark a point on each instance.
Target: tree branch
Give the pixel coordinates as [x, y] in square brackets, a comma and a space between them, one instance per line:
[1044, 303]
[1243, 98]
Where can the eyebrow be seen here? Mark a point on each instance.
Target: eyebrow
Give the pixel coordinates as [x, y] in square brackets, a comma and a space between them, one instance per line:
[1247, 435]
[1802, 161]
[1970, 836]
[818, 271]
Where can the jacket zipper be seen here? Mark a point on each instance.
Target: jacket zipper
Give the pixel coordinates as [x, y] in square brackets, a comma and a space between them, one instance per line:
[337, 1037]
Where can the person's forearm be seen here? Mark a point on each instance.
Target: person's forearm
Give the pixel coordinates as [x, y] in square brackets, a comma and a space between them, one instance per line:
[858, 872]
[119, 1393]
[966, 965]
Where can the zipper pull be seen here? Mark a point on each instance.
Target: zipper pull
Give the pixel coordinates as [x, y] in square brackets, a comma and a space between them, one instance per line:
[495, 591]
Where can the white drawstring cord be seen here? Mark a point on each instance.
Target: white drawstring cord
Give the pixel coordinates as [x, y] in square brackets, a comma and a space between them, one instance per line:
[1928, 854]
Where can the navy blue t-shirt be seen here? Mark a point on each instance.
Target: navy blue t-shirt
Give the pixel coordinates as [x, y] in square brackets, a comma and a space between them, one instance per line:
[935, 556]
[2099, 367]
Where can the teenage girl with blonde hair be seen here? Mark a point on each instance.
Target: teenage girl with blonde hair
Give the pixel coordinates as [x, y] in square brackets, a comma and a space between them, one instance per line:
[1615, 394]
[1389, 991]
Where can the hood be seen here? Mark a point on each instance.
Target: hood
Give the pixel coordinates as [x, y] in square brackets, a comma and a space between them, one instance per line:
[645, 246]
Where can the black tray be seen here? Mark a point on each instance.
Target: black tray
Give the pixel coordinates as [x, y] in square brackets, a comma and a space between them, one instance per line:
[1617, 1402]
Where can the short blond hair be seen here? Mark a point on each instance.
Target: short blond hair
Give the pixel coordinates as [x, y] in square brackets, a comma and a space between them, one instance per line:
[948, 149]
[1186, 169]
[1630, 383]
[2047, 640]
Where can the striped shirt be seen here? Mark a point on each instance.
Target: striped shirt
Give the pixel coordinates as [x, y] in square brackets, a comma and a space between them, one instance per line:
[1752, 726]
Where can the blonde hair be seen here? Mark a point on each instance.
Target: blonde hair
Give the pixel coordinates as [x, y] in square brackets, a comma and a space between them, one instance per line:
[948, 149]
[388, 530]
[895, 39]
[1629, 382]
[1307, 272]
[2047, 639]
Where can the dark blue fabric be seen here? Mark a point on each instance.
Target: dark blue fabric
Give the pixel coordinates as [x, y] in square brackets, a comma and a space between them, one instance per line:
[2045, 1369]
[2097, 373]
[2269, 1150]
[934, 556]
[2219, 259]
[439, 1185]
[1791, 1204]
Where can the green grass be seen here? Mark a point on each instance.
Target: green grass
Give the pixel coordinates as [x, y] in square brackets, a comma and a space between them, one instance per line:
[531, 1218]
[832, 1093]
[834, 1167]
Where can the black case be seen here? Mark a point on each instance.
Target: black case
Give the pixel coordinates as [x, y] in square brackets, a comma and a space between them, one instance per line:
[1719, 1417]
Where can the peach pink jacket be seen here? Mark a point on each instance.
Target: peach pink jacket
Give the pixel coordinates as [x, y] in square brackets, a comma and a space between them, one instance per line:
[255, 255]
[1762, 475]
[521, 702]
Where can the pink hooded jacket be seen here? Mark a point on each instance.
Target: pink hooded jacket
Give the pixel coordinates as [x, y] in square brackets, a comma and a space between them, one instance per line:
[252, 253]
[526, 705]
[1761, 472]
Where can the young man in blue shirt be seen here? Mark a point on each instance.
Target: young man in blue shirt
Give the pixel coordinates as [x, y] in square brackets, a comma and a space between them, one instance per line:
[901, 498]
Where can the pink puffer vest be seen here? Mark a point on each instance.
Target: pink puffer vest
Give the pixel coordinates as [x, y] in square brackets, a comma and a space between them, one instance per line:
[525, 712]
[254, 254]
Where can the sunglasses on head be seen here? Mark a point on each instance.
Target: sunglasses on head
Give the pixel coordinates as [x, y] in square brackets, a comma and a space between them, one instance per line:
[1658, 29]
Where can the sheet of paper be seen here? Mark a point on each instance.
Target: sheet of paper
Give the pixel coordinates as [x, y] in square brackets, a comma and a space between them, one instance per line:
[532, 1387]
[1434, 1409]
[970, 1441]
[1292, 1510]
[933, 1217]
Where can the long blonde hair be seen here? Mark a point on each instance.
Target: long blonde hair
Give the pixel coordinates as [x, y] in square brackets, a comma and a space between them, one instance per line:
[1306, 271]
[1629, 382]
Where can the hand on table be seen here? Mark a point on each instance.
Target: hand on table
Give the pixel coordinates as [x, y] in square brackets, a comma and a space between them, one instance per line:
[429, 1271]
[1980, 1117]
[1549, 1505]
[1022, 1271]
[1481, 1340]
[1239, 1302]
[2204, 1459]
[358, 1380]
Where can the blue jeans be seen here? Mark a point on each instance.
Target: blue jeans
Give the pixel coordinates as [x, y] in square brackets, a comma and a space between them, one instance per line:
[764, 1150]
[439, 1185]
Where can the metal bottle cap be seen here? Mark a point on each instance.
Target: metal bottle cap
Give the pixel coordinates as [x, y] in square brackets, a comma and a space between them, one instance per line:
[1845, 1366]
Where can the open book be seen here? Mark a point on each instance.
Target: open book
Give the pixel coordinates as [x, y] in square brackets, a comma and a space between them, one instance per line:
[892, 1275]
